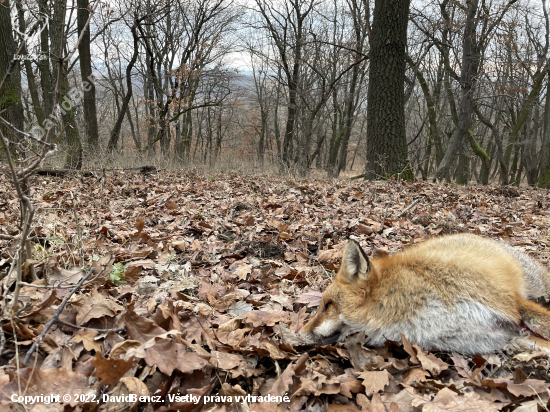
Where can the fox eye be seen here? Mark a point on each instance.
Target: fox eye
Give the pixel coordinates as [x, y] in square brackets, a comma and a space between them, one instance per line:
[326, 306]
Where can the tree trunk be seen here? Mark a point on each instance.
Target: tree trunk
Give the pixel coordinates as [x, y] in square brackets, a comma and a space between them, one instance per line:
[113, 139]
[498, 142]
[33, 90]
[46, 83]
[10, 99]
[73, 158]
[526, 109]
[467, 72]
[386, 137]
[433, 130]
[89, 104]
[544, 180]
[529, 150]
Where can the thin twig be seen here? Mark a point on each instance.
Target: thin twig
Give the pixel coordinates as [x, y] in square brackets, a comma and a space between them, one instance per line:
[78, 230]
[16, 354]
[32, 373]
[413, 204]
[148, 201]
[55, 317]
[27, 135]
[123, 328]
[27, 213]
[2, 340]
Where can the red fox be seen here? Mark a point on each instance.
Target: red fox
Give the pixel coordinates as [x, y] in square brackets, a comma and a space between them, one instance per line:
[459, 293]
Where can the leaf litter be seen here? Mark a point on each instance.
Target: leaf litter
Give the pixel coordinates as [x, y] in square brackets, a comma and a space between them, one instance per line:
[214, 276]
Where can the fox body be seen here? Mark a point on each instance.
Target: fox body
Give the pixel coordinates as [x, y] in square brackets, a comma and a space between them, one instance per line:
[459, 293]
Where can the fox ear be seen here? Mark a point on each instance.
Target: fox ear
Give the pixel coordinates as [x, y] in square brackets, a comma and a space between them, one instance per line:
[355, 263]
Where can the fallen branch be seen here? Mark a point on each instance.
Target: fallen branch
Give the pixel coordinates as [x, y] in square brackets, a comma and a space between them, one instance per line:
[62, 172]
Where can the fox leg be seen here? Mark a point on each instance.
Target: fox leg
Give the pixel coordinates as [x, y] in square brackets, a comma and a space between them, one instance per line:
[535, 318]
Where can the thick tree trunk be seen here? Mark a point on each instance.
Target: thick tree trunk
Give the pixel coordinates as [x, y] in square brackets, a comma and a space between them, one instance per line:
[89, 104]
[544, 179]
[386, 137]
[10, 98]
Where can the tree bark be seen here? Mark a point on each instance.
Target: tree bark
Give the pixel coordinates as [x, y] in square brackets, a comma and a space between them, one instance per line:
[46, 82]
[10, 99]
[386, 138]
[73, 158]
[544, 179]
[89, 104]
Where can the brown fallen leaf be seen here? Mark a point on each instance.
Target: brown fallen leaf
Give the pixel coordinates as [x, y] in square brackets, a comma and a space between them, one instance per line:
[168, 355]
[171, 205]
[109, 371]
[461, 365]
[264, 317]
[140, 328]
[333, 407]
[95, 306]
[519, 376]
[415, 375]
[529, 387]
[447, 400]
[127, 386]
[430, 362]
[311, 299]
[226, 361]
[50, 381]
[403, 399]
[409, 349]
[354, 345]
[374, 381]
[349, 385]
[281, 385]
[119, 350]
[140, 223]
[86, 336]
[317, 384]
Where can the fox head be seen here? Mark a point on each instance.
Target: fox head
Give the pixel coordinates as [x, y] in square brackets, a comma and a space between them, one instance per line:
[341, 311]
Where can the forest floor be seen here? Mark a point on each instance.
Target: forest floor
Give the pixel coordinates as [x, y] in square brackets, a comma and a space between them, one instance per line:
[211, 274]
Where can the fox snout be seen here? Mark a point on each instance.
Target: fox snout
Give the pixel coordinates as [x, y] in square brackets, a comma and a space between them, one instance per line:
[328, 331]
[341, 302]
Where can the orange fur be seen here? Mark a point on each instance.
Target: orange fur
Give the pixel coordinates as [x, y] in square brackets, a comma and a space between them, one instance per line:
[471, 281]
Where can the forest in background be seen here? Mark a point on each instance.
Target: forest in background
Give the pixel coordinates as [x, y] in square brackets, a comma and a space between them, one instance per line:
[282, 85]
